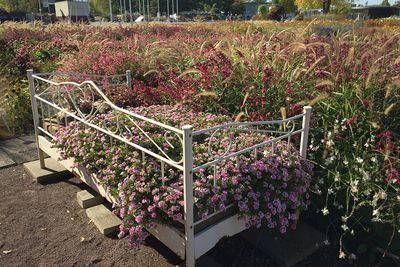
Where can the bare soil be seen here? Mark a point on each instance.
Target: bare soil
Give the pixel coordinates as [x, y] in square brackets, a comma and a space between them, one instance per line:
[42, 225]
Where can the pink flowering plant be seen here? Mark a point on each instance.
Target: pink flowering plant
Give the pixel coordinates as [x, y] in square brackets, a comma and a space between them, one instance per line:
[270, 190]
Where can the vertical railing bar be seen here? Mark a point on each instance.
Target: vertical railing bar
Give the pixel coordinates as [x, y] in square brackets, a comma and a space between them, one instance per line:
[50, 118]
[129, 79]
[188, 194]
[215, 175]
[35, 114]
[162, 173]
[306, 128]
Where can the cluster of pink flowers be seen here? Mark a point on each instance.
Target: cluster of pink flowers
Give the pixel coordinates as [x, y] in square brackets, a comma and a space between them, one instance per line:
[269, 190]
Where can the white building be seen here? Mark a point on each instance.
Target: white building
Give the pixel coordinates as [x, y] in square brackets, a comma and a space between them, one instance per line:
[72, 10]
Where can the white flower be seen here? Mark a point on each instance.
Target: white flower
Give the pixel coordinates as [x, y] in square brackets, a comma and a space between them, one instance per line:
[344, 219]
[375, 212]
[354, 186]
[345, 162]
[325, 211]
[337, 177]
[366, 176]
[352, 256]
[326, 242]
[330, 191]
[352, 232]
[345, 227]
[342, 255]
[359, 160]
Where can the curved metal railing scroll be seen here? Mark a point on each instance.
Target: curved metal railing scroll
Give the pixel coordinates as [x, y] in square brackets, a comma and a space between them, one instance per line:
[85, 101]
[286, 128]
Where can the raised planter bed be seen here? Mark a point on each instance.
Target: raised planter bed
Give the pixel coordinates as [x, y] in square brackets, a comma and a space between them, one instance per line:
[189, 238]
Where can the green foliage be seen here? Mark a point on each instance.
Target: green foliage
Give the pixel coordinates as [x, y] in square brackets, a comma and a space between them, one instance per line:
[288, 5]
[262, 11]
[19, 5]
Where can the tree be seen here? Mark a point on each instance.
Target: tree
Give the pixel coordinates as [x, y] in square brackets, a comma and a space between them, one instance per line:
[397, 3]
[236, 7]
[288, 5]
[324, 4]
[19, 5]
[385, 3]
[262, 11]
[101, 6]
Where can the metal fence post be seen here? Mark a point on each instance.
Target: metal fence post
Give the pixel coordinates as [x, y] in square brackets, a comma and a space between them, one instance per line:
[35, 114]
[129, 78]
[188, 194]
[306, 129]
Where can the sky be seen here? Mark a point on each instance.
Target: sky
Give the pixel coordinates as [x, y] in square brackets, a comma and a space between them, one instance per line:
[372, 2]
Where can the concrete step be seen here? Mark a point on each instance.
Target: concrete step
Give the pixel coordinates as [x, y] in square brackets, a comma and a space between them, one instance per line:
[87, 199]
[104, 219]
[5, 160]
[289, 248]
[52, 170]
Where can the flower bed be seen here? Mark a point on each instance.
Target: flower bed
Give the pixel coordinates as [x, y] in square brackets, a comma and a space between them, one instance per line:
[214, 176]
[269, 191]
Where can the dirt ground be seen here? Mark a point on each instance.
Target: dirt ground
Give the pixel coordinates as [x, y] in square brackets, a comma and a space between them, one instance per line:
[42, 225]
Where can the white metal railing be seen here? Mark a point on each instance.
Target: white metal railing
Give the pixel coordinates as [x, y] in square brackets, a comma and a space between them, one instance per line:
[53, 97]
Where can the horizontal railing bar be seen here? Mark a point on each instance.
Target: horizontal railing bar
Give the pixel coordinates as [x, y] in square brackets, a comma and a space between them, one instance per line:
[257, 131]
[112, 105]
[246, 123]
[155, 155]
[79, 74]
[46, 132]
[246, 150]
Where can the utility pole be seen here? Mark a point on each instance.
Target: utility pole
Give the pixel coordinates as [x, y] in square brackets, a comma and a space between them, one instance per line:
[144, 10]
[130, 11]
[172, 8]
[120, 9]
[177, 9]
[148, 10]
[40, 11]
[124, 10]
[167, 10]
[158, 10]
[110, 7]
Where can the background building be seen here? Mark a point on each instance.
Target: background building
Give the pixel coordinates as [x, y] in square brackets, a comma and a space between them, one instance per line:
[72, 10]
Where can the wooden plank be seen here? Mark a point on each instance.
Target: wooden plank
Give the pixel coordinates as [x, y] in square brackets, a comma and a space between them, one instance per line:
[170, 237]
[209, 237]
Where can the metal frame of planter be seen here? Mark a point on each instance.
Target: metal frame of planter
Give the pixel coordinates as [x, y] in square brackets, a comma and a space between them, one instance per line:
[190, 244]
